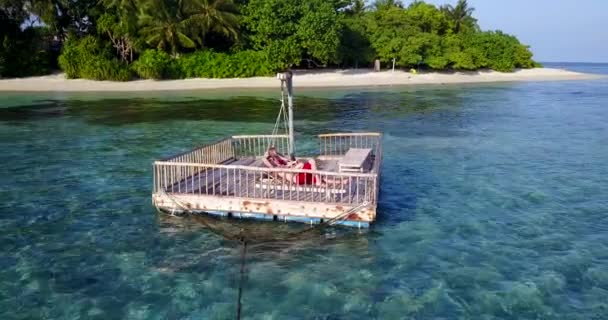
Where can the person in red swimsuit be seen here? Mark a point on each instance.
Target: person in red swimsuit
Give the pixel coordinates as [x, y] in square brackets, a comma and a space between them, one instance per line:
[306, 178]
[274, 159]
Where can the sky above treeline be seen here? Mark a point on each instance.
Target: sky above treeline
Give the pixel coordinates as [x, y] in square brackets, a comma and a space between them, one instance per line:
[556, 30]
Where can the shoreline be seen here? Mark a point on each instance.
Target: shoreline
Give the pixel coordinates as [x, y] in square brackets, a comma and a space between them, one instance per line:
[302, 79]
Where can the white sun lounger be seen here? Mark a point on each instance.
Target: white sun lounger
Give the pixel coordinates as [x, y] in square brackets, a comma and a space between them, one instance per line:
[355, 160]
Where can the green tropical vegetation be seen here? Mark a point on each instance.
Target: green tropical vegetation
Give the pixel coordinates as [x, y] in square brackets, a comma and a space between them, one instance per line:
[169, 39]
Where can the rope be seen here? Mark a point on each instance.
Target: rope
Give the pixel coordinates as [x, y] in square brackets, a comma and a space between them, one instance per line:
[281, 116]
[242, 280]
[277, 123]
[242, 238]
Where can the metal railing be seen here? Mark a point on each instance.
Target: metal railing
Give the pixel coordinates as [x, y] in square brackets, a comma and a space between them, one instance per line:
[263, 183]
[213, 153]
[237, 147]
[337, 144]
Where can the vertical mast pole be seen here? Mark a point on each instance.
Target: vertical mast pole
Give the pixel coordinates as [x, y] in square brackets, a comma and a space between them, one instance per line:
[288, 78]
[292, 148]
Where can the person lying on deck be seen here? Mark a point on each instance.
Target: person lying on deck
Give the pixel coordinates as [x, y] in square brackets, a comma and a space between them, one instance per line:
[273, 159]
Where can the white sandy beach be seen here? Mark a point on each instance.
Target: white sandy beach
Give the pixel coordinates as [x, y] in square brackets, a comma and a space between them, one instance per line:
[310, 79]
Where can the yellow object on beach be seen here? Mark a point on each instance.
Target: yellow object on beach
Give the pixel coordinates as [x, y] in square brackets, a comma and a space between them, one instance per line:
[413, 71]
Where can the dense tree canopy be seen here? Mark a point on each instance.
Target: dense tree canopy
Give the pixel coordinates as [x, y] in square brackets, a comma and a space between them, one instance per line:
[292, 30]
[121, 39]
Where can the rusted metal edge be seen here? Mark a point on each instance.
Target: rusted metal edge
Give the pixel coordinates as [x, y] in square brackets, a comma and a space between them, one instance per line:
[262, 206]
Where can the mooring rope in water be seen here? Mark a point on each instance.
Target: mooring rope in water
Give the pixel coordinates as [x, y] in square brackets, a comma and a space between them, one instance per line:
[242, 279]
[241, 238]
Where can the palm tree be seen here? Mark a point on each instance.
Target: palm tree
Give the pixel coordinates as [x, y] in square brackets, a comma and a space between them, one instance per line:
[387, 4]
[119, 23]
[217, 16]
[173, 24]
[357, 8]
[166, 25]
[461, 16]
[60, 16]
[121, 5]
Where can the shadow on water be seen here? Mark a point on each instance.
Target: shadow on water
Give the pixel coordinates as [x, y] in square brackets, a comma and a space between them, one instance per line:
[249, 244]
[382, 105]
[113, 112]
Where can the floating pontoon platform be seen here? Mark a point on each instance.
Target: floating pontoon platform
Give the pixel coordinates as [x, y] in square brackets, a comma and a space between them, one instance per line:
[228, 178]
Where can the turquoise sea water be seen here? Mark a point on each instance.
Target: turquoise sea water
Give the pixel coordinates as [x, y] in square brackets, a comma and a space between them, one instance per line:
[493, 205]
